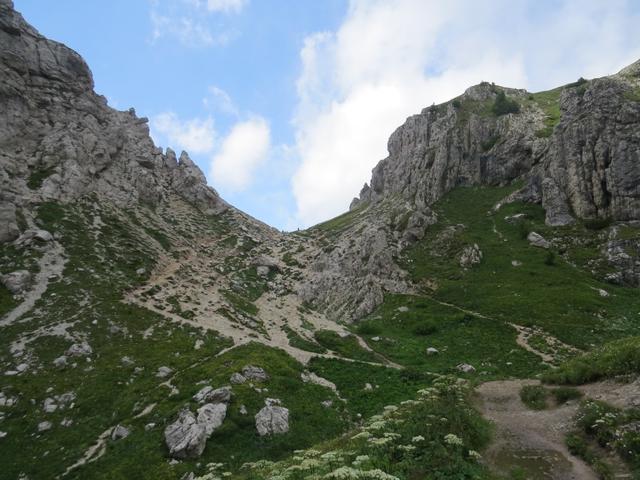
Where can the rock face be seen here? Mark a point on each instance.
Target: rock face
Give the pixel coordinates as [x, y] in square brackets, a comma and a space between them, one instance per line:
[185, 437]
[59, 140]
[588, 164]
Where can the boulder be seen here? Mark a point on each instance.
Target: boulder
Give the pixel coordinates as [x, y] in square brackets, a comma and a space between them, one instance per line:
[185, 438]
[60, 362]
[44, 426]
[16, 282]
[257, 374]
[272, 420]
[33, 236]
[163, 372]
[208, 394]
[432, 351]
[537, 240]
[211, 416]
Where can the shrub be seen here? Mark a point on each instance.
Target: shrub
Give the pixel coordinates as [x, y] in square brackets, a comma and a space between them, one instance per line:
[597, 223]
[504, 105]
[550, 258]
[368, 329]
[620, 357]
[534, 396]
[425, 329]
[564, 394]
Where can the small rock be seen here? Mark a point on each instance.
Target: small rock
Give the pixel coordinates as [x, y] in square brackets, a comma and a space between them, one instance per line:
[237, 378]
[141, 271]
[198, 345]
[368, 387]
[119, 432]
[50, 405]
[470, 256]
[432, 351]
[82, 349]
[375, 339]
[22, 367]
[466, 368]
[537, 240]
[163, 372]
[60, 362]
[149, 426]
[262, 271]
[518, 217]
[3, 434]
[251, 372]
[44, 426]
[327, 403]
[208, 394]
[403, 309]
[516, 263]
[243, 410]
[126, 360]
[66, 422]
[601, 292]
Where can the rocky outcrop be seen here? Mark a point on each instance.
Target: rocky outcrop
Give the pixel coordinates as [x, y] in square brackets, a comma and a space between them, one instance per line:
[185, 438]
[59, 140]
[272, 419]
[588, 165]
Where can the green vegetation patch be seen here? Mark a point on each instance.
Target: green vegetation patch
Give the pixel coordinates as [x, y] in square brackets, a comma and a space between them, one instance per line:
[549, 103]
[346, 346]
[534, 396]
[620, 357]
[38, 176]
[503, 105]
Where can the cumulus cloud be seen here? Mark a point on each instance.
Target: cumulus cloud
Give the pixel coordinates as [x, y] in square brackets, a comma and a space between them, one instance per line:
[389, 59]
[243, 150]
[226, 6]
[194, 135]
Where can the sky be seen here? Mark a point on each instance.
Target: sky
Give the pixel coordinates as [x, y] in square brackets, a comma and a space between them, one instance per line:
[287, 105]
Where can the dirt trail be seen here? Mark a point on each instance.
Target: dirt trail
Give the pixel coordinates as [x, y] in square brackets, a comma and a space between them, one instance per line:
[533, 441]
[51, 265]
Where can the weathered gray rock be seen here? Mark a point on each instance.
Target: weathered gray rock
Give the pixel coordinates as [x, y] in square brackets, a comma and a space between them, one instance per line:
[16, 282]
[163, 372]
[432, 351]
[211, 416]
[185, 438]
[60, 362]
[34, 236]
[119, 432]
[466, 368]
[81, 349]
[471, 255]
[44, 426]
[9, 230]
[256, 374]
[555, 204]
[211, 395]
[272, 420]
[237, 378]
[537, 240]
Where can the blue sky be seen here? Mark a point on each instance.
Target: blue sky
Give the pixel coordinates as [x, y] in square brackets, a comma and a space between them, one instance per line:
[286, 105]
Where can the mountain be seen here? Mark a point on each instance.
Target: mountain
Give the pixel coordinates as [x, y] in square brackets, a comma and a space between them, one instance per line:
[151, 330]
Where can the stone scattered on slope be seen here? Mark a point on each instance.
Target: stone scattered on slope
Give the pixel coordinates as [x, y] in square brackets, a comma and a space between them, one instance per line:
[466, 368]
[163, 372]
[272, 419]
[185, 438]
[257, 374]
[82, 349]
[33, 236]
[60, 362]
[432, 351]
[211, 395]
[237, 378]
[211, 416]
[119, 432]
[44, 426]
[537, 240]
[16, 282]
[471, 255]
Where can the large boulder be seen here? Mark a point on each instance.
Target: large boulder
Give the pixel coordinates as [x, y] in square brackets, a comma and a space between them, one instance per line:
[82, 349]
[471, 255]
[272, 420]
[211, 416]
[185, 438]
[16, 282]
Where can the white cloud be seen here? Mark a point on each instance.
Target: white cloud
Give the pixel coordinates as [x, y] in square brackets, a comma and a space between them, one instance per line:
[218, 99]
[389, 59]
[189, 21]
[226, 6]
[195, 135]
[244, 150]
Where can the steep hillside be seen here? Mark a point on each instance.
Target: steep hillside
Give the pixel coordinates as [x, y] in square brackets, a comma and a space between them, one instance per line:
[151, 330]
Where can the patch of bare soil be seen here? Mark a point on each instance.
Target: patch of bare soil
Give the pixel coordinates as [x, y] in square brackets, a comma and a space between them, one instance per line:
[532, 442]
